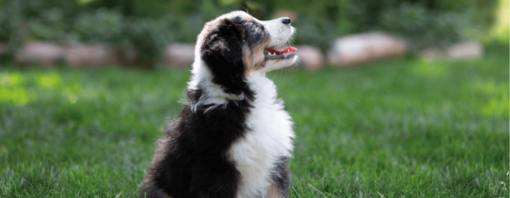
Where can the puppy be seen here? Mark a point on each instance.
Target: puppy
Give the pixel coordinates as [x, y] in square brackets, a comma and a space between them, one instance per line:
[233, 138]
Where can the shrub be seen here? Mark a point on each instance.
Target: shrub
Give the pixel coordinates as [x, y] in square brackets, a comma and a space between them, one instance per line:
[423, 28]
[316, 31]
[147, 37]
[99, 26]
[186, 28]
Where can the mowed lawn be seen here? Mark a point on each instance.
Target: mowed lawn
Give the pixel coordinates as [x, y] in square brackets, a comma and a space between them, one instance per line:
[404, 128]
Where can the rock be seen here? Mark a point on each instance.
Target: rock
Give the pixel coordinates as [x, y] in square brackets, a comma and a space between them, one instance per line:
[365, 47]
[90, 56]
[179, 55]
[465, 50]
[38, 52]
[310, 57]
[432, 54]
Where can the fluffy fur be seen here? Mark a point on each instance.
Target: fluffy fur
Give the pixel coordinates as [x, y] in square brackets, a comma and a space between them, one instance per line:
[233, 137]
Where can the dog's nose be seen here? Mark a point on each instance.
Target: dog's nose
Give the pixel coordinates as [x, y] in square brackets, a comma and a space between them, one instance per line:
[286, 20]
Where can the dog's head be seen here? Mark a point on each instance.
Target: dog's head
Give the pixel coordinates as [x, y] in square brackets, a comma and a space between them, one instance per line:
[232, 45]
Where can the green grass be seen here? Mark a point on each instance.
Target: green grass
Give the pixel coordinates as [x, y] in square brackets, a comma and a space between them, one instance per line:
[393, 129]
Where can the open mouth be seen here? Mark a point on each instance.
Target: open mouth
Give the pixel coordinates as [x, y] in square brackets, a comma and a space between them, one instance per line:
[273, 53]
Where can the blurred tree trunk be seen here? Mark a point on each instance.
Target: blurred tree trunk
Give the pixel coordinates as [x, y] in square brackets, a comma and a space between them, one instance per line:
[15, 26]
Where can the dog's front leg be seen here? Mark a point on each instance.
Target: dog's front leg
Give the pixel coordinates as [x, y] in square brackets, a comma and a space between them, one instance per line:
[217, 180]
[150, 190]
[280, 180]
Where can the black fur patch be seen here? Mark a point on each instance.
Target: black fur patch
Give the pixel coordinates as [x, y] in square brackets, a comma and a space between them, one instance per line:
[196, 164]
[223, 52]
[281, 178]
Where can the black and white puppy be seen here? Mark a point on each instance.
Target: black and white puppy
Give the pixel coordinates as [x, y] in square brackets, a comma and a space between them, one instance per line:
[233, 137]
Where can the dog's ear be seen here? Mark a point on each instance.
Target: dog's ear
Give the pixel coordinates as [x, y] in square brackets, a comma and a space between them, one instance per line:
[225, 41]
[222, 51]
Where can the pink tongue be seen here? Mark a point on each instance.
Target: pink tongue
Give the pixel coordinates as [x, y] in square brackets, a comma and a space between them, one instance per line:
[286, 50]
[291, 49]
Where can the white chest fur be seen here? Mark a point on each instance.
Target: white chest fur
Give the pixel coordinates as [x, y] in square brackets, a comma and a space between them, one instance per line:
[269, 138]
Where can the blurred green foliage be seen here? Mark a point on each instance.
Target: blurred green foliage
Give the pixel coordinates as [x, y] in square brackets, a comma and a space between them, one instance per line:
[424, 28]
[151, 24]
[500, 31]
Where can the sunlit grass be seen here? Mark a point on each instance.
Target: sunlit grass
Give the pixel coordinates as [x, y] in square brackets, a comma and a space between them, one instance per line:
[14, 95]
[498, 105]
[11, 79]
[50, 80]
[11, 89]
[393, 129]
[432, 69]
